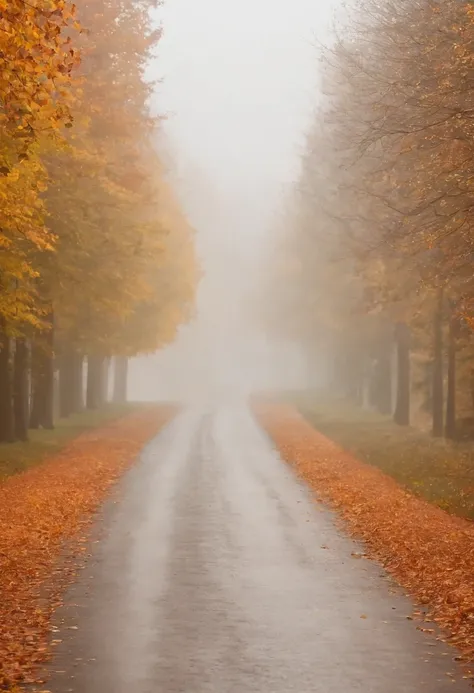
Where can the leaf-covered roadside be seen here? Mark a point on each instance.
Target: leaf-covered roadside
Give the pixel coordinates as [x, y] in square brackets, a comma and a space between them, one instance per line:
[40, 511]
[436, 469]
[428, 551]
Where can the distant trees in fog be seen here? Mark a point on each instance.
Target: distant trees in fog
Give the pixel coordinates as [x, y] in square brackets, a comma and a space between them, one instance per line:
[376, 262]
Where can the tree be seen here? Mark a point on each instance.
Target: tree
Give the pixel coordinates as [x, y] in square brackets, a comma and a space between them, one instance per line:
[21, 389]
[402, 407]
[86, 251]
[105, 200]
[382, 209]
[36, 61]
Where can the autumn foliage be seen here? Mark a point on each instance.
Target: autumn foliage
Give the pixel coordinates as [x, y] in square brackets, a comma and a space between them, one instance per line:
[41, 512]
[37, 57]
[428, 551]
[375, 266]
[96, 256]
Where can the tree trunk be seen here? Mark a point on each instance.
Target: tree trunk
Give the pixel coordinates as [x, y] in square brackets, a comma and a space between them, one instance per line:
[120, 379]
[357, 387]
[402, 407]
[20, 389]
[71, 398]
[77, 383]
[36, 378]
[7, 429]
[472, 388]
[104, 394]
[48, 416]
[95, 377]
[450, 426]
[372, 385]
[380, 392]
[42, 409]
[385, 384]
[437, 389]
[352, 377]
[66, 382]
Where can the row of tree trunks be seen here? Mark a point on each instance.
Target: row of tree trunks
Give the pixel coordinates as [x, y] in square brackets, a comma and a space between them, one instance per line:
[71, 368]
[22, 408]
[98, 380]
[97, 388]
[443, 414]
[380, 380]
[14, 389]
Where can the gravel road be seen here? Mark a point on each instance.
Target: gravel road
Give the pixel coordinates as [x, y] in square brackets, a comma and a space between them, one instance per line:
[214, 571]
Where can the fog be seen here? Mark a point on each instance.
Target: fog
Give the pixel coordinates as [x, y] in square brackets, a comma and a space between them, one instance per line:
[238, 88]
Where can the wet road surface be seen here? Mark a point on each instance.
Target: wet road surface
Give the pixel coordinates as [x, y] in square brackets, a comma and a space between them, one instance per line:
[216, 572]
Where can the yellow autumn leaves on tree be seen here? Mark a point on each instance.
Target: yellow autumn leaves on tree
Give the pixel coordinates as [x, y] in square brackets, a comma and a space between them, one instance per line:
[36, 61]
[91, 236]
[37, 56]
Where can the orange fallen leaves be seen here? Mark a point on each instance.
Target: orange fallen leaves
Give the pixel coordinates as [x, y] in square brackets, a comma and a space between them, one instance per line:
[41, 511]
[428, 551]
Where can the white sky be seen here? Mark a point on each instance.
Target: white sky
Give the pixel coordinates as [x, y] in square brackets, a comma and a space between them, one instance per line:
[239, 82]
[239, 85]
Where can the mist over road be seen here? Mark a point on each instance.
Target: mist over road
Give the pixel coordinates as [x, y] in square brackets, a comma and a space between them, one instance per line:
[214, 570]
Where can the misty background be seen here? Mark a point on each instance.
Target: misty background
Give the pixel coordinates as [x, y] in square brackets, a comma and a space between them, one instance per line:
[238, 86]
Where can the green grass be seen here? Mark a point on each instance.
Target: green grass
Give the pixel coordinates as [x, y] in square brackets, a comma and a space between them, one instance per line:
[17, 457]
[442, 472]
